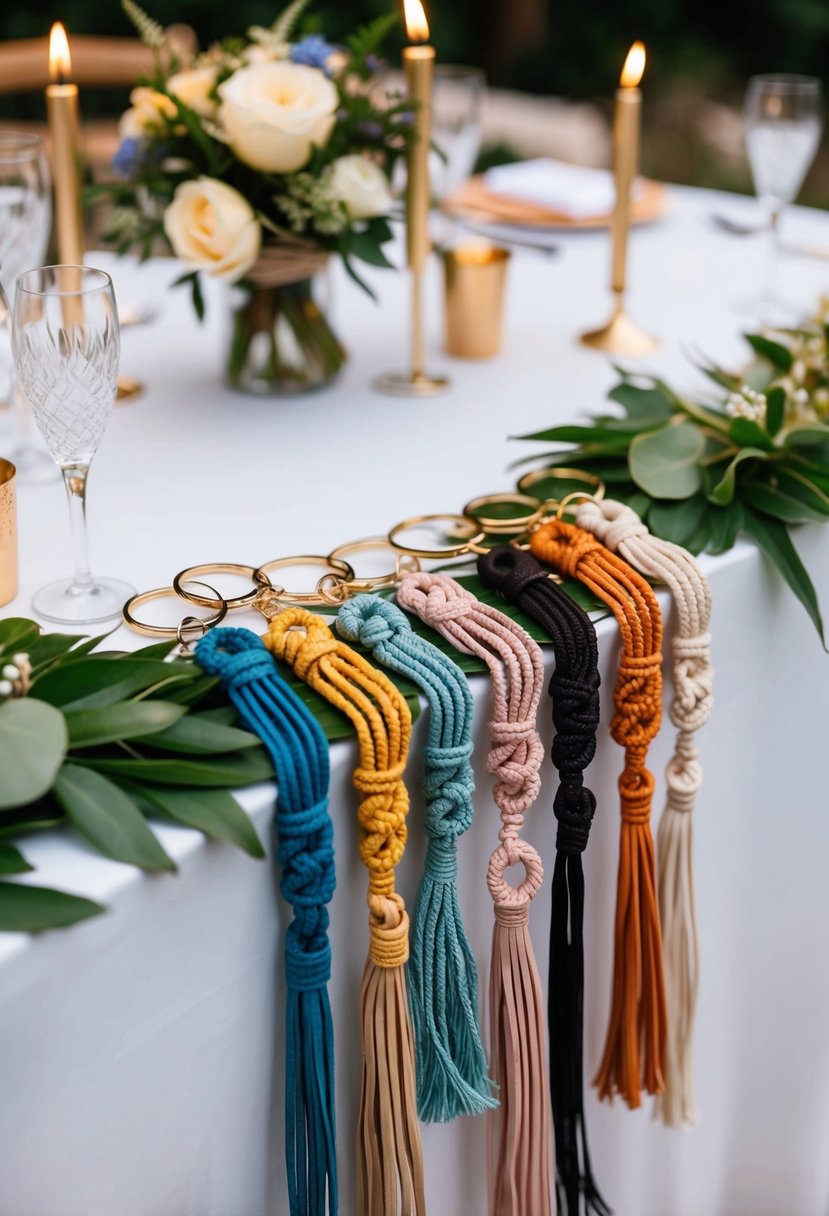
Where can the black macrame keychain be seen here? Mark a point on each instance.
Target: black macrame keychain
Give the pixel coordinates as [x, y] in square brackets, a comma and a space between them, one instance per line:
[574, 688]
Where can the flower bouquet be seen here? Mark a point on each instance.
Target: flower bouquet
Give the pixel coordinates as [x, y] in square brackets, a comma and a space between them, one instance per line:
[254, 162]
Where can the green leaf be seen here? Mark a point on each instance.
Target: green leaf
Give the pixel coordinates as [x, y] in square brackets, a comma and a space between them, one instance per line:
[678, 521]
[579, 434]
[33, 743]
[124, 720]
[27, 909]
[747, 433]
[214, 812]
[723, 491]
[773, 538]
[775, 409]
[809, 435]
[12, 860]
[773, 501]
[777, 354]
[643, 403]
[97, 681]
[108, 819]
[198, 735]
[241, 768]
[664, 463]
[17, 634]
[725, 524]
[801, 487]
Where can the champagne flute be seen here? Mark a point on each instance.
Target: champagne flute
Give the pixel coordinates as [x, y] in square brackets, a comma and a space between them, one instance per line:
[66, 344]
[25, 223]
[783, 125]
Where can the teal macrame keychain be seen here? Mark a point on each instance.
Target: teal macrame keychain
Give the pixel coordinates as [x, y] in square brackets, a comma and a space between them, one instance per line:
[299, 750]
[443, 982]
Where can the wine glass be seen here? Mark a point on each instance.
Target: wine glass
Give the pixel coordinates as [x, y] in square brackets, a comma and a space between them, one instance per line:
[457, 96]
[783, 125]
[66, 344]
[25, 223]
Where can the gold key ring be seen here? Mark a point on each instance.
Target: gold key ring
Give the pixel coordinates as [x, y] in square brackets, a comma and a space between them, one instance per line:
[190, 575]
[170, 631]
[497, 525]
[465, 521]
[338, 590]
[558, 472]
[334, 566]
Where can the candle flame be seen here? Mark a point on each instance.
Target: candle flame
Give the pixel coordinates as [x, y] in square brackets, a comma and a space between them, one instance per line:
[417, 27]
[634, 67]
[60, 61]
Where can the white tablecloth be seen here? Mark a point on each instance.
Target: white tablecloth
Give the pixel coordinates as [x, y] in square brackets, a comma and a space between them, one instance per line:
[141, 1052]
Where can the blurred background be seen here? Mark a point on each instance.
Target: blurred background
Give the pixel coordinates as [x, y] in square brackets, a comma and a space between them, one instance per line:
[551, 68]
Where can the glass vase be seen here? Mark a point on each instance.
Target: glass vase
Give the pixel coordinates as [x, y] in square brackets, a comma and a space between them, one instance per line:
[281, 342]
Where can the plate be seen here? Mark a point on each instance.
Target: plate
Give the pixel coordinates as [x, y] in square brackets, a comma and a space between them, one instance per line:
[474, 201]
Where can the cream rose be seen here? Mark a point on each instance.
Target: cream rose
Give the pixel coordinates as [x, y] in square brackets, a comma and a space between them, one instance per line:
[194, 88]
[147, 108]
[361, 185]
[274, 112]
[211, 227]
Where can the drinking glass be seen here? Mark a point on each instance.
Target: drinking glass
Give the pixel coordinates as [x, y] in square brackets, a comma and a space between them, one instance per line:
[783, 125]
[457, 96]
[25, 223]
[66, 344]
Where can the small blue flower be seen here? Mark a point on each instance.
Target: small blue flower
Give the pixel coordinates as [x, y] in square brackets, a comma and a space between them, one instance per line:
[128, 157]
[313, 51]
[374, 63]
[370, 129]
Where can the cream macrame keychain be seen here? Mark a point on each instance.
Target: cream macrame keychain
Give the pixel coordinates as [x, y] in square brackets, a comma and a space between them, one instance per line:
[620, 529]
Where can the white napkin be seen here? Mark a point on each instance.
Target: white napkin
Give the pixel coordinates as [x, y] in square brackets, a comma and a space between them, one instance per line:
[571, 190]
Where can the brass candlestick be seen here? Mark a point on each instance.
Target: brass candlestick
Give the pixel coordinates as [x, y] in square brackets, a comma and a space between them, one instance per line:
[418, 62]
[621, 335]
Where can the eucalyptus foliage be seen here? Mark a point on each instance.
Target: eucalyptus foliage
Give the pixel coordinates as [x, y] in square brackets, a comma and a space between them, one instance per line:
[755, 462]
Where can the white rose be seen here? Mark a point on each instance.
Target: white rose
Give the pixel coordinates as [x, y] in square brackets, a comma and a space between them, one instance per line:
[194, 88]
[274, 112]
[361, 185]
[145, 114]
[213, 228]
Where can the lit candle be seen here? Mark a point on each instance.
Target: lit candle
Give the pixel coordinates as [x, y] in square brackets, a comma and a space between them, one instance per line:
[418, 62]
[62, 109]
[626, 126]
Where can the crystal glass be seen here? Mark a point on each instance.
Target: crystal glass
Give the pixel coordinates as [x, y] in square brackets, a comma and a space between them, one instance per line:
[457, 97]
[783, 125]
[66, 344]
[25, 224]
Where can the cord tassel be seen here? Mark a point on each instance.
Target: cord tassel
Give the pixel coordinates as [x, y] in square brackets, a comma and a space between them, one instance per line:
[634, 1050]
[299, 751]
[617, 526]
[389, 1175]
[574, 689]
[443, 980]
[520, 1158]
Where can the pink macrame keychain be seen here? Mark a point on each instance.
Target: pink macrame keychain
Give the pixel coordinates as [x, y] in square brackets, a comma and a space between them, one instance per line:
[520, 1157]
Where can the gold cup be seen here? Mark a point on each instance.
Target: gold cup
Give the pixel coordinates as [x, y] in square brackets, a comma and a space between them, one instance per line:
[8, 533]
[475, 278]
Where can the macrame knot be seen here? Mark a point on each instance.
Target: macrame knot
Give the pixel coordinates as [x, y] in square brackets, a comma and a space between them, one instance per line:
[307, 964]
[636, 790]
[514, 759]
[370, 621]
[638, 700]
[564, 546]
[574, 807]
[448, 786]
[510, 571]
[236, 655]
[684, 779]
[435, 599]
[694, 680]
[388, 929]
[612, 522]
[511, 853]
[576, 715]
[382, 816]
[299, 641]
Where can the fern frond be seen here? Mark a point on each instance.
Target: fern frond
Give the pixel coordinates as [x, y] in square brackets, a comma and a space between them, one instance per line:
[149, 31]
[285, 24]
[367, 39]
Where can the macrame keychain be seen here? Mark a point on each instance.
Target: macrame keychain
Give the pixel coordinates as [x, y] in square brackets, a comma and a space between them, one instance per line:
[443, 980]
[299, 750]
[635, 1042]
[574, 688]
[520, 1157]
[389, 1156]
[620, 528]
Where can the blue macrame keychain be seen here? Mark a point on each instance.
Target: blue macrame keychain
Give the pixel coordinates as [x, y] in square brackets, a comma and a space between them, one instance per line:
[443, 982]
[299, 750]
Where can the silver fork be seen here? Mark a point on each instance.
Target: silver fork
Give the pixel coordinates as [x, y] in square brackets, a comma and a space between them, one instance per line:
[739, 228]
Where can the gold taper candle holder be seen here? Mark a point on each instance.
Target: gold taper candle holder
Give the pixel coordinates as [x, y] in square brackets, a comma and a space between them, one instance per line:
[8, 533]
[418, 63]
[621, 335]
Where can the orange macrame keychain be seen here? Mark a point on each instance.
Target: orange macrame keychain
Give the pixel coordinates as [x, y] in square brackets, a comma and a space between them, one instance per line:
[635, 1042]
